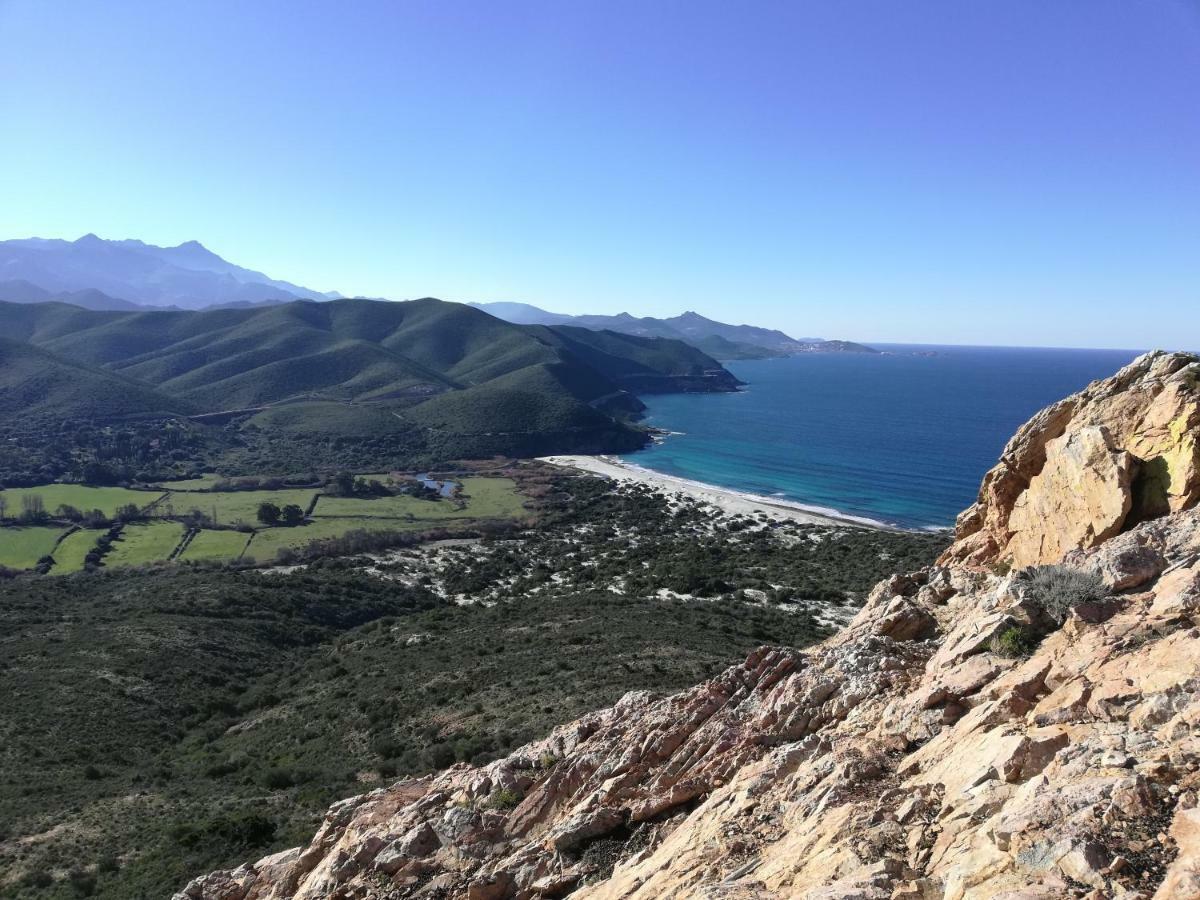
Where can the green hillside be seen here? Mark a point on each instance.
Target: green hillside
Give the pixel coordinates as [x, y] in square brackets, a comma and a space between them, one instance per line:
[333, 384]
[39, 383]
[635, 362]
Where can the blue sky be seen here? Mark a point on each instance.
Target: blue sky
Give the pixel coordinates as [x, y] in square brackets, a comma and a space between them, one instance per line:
[1008, 172]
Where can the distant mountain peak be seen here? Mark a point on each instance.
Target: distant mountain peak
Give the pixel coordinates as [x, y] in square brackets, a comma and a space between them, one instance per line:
[188, 275]
[192, 245]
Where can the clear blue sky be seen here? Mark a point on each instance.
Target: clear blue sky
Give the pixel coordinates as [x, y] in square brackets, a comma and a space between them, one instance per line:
[1013, 171]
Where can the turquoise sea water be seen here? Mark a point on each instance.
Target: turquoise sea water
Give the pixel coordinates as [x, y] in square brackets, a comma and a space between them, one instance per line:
[897, 437]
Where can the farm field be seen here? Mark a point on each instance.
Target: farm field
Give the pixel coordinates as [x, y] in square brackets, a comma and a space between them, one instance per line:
[230, 508]
[269, 541]
[21, 548]
[203, 483]
[140, 544]
[215, 546]
[106, 499]
[71, 551]
[485, 498]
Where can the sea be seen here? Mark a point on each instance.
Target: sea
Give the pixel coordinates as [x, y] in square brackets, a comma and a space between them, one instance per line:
[901, 437]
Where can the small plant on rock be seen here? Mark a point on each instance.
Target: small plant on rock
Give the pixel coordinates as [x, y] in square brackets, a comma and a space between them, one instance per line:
[1013, 643]
[503, 798]
[1059, 589]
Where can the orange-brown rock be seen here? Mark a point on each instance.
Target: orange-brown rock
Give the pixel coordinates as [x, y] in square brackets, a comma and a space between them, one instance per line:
[907, 757]
[1121, 451]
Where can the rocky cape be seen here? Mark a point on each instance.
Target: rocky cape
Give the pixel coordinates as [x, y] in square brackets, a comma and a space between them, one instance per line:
[910, 757]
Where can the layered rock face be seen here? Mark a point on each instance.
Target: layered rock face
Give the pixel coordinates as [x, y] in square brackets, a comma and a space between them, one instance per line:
[922, 753]
[1121, 451]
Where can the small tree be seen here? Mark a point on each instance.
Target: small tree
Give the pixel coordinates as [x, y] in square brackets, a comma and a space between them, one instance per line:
[268, 513]
[292, 515]
[343, 484]
[33, 508]
[3, 506]
[129, 512]
[66, 511]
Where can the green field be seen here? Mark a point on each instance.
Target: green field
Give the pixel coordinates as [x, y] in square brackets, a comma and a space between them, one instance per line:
[139, 544]
[203, 483]
[71, 550]
[82, 497]
[485, 498]
[21, 548]
[269, 541]
[218, 546]
[230, 508]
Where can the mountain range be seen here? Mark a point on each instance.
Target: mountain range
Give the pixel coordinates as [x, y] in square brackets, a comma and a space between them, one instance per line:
[99, 274]
[133, 273]
[718, 339]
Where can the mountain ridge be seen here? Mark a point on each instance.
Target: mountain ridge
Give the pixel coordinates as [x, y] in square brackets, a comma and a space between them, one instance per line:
[720, 340]
[188, 276]
[442, 375]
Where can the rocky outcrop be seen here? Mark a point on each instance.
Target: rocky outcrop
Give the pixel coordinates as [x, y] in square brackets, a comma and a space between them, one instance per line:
[1120, 452]
[949, 744]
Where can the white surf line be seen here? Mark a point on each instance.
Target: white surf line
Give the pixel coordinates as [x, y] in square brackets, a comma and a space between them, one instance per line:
[731, 501]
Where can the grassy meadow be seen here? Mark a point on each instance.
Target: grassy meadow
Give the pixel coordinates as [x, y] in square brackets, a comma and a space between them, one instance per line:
[203, 483]
[21, 548]
[145, 543]
[72, 550]
[215, 546]
[234, 507]
[482, 498]
[106, 499]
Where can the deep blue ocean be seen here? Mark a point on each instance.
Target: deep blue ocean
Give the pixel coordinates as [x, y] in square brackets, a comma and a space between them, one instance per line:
[896, 437]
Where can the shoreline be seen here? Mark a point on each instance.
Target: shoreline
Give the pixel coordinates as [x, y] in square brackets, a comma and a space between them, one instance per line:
[728, 500]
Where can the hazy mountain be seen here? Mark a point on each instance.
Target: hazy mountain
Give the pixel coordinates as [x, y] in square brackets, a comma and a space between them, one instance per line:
[524, 314]
[717, 339]
[21, 291]
[188, 276]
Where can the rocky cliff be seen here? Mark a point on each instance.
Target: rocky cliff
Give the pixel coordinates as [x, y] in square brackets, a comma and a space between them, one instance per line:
[1122, 451]
[976, 732]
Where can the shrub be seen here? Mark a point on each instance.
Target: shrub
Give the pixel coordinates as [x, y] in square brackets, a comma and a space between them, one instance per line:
[1013, 643]
[108, 864]
[83, 882]
[292, 515]
[387, 747]
[276, 779]
[225, 832]
[1059, 589]
[503, 798]
[440, 756]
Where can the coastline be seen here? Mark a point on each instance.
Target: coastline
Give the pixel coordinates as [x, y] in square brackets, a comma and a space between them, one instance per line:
[729, 501]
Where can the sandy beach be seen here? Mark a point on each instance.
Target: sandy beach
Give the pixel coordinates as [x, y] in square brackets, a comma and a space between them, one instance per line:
[728, 501]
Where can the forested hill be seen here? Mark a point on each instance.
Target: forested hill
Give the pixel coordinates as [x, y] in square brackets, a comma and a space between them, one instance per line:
[354, 367]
